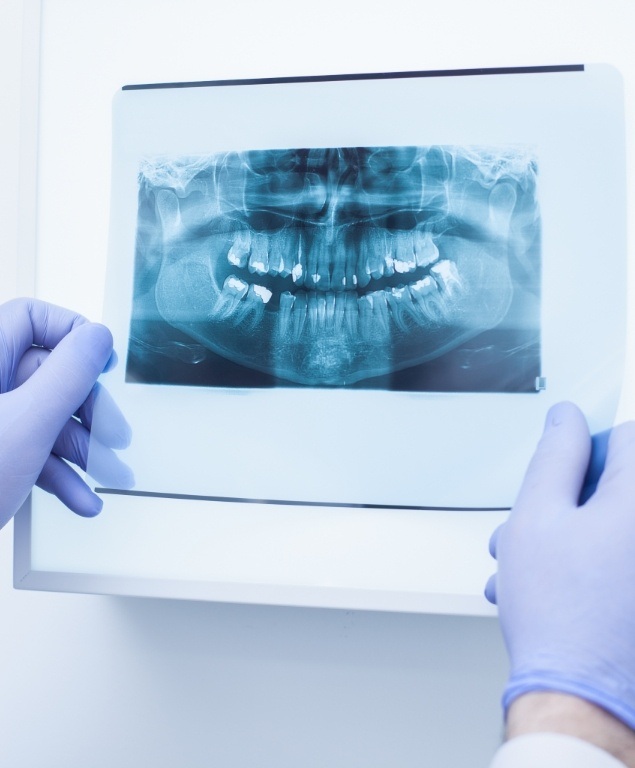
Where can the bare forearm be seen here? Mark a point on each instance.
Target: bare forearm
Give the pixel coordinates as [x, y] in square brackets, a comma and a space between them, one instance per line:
[547, 712]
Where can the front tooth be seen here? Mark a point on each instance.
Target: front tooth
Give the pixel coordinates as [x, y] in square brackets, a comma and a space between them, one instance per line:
[298, 316]
[312, 311]
[351, 313]
[238, 254]
[365, 305]
[288, 248]
[376, 264]
[259, 259]
[446, 275]
[426, 251]
[363, 261]
[350, 266]
[287, 300]
[339, 311]
[229, 299]
[329, 302]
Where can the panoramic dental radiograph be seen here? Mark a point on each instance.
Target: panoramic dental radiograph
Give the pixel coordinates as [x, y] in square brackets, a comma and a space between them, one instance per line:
[398, 267]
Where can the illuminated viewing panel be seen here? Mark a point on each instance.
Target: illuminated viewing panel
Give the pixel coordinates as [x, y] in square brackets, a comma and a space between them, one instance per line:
[410, 268]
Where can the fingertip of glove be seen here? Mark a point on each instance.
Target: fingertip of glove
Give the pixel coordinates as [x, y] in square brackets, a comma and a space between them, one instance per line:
[90, 508]
[561, 413]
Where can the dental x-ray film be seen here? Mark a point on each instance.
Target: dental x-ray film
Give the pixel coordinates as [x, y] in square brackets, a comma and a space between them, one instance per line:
[365, 289]
[398, 267]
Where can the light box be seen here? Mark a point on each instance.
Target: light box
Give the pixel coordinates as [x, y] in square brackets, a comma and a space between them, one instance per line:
[340, 318]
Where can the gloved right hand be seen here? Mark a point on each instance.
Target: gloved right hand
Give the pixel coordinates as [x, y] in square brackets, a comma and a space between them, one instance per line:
[565, 586]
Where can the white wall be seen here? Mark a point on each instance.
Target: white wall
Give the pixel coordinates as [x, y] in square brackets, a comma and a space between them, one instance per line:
[97, 682]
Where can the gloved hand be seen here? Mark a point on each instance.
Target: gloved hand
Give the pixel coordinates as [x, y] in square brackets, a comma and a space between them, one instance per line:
[565, 586]
[50, 359]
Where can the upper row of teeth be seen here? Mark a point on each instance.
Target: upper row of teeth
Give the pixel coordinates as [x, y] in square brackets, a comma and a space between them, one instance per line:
[379, 254]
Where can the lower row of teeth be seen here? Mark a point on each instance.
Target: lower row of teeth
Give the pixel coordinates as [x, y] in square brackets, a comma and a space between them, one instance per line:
[335, 310]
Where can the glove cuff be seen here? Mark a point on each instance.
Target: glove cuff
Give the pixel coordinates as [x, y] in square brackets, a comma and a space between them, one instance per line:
[541, 682]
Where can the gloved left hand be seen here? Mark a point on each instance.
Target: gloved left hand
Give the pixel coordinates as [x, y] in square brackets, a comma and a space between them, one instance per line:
[50, 359]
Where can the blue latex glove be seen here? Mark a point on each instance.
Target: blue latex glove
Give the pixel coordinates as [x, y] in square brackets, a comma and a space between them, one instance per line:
[565, 586]
[50, 359]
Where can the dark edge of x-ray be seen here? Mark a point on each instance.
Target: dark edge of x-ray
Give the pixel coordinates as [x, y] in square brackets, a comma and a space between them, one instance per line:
[556, 68]
[287, 502]
[396, 268]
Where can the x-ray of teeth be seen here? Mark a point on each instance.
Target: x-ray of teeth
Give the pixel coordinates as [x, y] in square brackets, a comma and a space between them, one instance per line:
[413, 268]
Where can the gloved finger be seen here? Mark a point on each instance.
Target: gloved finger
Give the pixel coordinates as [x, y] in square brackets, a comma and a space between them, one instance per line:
[62, 481]
[493, 540]
[74, 443]
[556, 471]
[30, 361]
[111, 428]
[618, 476]
[64, 380]
[106, 468]
[112, 362]
[490, 589]
[31, 321]
[599, 447]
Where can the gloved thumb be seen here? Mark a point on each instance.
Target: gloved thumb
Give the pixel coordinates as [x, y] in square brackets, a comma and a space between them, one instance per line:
[557, 469]
[64, 380]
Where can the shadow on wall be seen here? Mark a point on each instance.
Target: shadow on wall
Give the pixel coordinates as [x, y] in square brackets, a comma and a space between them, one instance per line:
[249, 686]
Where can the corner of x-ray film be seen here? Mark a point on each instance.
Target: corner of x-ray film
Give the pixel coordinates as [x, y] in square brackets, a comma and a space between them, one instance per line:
[412, 268]
[110, 433]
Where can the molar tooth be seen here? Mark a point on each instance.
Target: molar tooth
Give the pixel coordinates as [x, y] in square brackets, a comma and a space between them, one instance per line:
[446, 275]
[254, 303]
[401, 306]
[264, 294]
[426, 251]
[259, 259]
[230, 298]
[389, 264]
[428, 301]
[405, 261]
[238, 254]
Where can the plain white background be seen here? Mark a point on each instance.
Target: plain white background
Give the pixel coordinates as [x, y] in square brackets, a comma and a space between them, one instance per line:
[96, 682]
